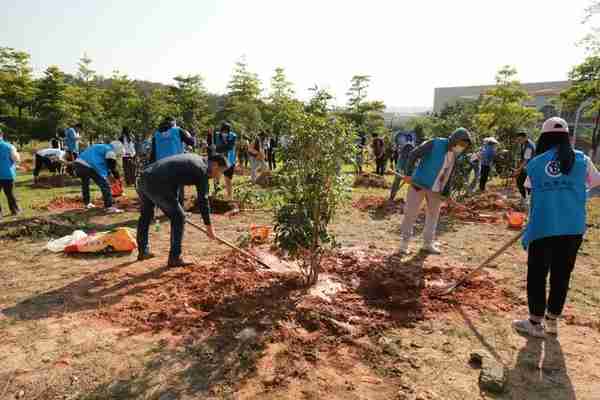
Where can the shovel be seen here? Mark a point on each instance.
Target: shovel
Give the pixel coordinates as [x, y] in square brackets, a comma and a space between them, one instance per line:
[449, 289]
[231, 245]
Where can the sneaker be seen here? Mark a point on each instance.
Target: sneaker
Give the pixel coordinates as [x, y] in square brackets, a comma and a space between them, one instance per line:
[525, 327]
[90, 206]
[432, 248]
[114, 210]
[403, 247]
[178, 262]
[145, 255]
[551, 325]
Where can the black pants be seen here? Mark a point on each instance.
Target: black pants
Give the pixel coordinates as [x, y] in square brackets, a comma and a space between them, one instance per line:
[45, 162]
[271, 159]
[380, 166]
[485, 174]
[521, 184]
[129, 169]
[166, 198]
[86, 174]
[555, 255]
[7, 185]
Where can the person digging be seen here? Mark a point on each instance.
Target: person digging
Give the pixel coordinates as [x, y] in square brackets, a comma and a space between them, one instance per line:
[159, 185]
[430, 181]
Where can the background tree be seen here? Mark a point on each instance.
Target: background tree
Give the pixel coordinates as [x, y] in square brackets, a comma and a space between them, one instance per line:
[242, 103]
[121, 102]
[312, 182]
[585, 79]
[51, 102]
[281, 103]
[192, 100]
[17, 87]
[152, 108]
[86, 97]
[364, 115]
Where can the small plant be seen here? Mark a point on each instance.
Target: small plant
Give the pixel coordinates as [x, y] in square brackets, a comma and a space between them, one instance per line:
[312, 184]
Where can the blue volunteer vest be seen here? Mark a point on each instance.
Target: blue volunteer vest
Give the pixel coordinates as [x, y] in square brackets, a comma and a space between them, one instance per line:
[95, 156]
[431, 165]
[488, 154]
[231, 154]
[8, 168]
[168, 143]
[557, 201]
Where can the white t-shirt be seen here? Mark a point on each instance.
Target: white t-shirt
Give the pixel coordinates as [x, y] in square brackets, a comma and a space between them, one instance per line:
[56, 154]
[444, 175]
[528, 155]
[128, 148]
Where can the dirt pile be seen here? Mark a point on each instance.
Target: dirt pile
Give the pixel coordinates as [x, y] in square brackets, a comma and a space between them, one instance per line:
[489, 207]
[370, 181]
[379, 204]
[376, 292]
[64, 203]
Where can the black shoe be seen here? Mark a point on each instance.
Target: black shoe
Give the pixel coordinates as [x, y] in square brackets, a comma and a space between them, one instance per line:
[146, 255]
[178, 262]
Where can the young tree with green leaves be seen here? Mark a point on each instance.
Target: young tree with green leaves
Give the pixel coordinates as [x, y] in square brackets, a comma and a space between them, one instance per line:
[192, 99]
[121, 102]
[280, 101]
[86, 97]
[312, 183]
[17, 88]
[51, 101]
[242, 102]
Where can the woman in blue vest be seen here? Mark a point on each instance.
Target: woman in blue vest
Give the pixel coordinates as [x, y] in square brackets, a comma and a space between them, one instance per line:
[487, 157]
[96, 163]
[168, 141]
[224, 143]
[9, 157]
[559, 178]
[430, 181]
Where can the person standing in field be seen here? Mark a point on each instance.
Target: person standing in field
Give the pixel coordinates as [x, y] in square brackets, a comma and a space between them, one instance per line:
[487, 157]
[243, 152]
[224, 143]
[271, 153]
[430, 181]
[97, 163]
[169, 140]
[559, 178]
[129, 164]
[9, 157]
[159, 185]
[361, 143]
[257, 156]
[72, 137]
[378, 147]
[527, 153]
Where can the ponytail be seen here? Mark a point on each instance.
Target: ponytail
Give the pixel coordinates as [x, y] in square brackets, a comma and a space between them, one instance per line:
[560, 142]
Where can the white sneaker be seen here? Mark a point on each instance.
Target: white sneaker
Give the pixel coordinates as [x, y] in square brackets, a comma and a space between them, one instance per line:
[403, 247]
[551, 326]
[432, 248]
[525, 327]
[114, 210]
[90, 206]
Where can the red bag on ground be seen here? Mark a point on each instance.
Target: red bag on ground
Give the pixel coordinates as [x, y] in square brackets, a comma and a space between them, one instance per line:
[116, 188]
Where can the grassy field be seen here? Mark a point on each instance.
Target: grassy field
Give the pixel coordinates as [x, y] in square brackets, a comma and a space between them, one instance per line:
[107, 327]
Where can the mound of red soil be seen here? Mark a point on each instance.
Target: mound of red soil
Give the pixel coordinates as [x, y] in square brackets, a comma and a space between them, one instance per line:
[489, 207]
[379, 204]
[63, 203]
[370, 180]
[378, 291]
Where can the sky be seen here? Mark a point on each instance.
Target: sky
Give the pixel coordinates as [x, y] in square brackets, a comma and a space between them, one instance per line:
[407, 47]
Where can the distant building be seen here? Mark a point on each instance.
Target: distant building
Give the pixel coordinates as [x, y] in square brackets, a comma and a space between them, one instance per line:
[541, 92]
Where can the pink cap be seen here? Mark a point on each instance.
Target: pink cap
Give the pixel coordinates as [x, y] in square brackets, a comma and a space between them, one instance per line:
[555, 125]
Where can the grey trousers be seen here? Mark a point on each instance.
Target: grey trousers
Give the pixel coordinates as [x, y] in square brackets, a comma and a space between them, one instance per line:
[414, 199]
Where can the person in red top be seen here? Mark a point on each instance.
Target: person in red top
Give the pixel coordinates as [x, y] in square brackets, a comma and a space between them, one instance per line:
[379, 153]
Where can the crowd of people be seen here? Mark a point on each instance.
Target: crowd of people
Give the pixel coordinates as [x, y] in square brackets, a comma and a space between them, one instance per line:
[552, 177]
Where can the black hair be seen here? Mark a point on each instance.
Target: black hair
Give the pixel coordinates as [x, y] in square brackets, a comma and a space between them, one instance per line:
[78, 125]
[54, 143]
[125, 130]
[522, 134]
[566, 155]
[219, 159]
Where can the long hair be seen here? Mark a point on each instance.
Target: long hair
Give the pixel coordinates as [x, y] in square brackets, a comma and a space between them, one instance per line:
[560, 141]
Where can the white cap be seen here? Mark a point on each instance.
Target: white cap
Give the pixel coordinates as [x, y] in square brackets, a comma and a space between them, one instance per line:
[117, 147]
[555, 125]
[490, 140]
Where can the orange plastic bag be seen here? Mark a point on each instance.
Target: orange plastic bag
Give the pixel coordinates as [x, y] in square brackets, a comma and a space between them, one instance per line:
[121, 239]
[259, 233]
[515, 219]
[116, 188]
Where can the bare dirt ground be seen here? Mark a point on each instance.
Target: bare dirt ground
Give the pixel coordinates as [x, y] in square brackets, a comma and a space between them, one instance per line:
[109, 327]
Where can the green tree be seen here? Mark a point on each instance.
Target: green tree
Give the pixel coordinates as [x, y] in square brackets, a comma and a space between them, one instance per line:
[281, 103]
[242, 102]
[312, 182]
[585, 79]
[364, 115]
[121, 102]
[51, 100]
[152, 108]
[86, 97]
[17, 89]
[192, 99]
[502, 110]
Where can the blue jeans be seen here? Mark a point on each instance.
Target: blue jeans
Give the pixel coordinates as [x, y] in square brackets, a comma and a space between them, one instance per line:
[167, 199]
[86, 174]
